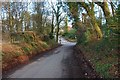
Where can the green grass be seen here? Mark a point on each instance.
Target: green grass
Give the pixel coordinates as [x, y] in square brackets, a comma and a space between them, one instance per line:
[103, 69]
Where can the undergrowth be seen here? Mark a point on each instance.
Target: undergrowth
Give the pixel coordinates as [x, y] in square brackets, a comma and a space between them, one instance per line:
[103, 53]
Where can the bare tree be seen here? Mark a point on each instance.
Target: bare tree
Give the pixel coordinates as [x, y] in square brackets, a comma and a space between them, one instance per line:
[58, 14]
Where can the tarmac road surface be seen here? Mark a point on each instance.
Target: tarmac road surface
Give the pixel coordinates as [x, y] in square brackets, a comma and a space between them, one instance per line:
[59, 64]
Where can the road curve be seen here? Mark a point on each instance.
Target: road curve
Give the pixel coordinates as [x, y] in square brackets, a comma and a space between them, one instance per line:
[60, 64]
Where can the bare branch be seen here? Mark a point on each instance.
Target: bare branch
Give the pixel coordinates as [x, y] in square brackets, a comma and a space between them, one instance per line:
[61, 19]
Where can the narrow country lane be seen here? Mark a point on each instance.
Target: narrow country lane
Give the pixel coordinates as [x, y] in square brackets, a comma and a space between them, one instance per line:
[60, 64]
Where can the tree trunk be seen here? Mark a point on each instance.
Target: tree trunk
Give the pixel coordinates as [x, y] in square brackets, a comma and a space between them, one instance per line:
[10, 22]
[94, 21]
[112, 6]
[106, 11]
[52, 25]
[90, 11]
[66, 25]
[95, 25]
[57, 34]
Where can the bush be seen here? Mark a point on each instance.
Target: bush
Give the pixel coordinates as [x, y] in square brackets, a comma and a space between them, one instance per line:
[71, 34]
